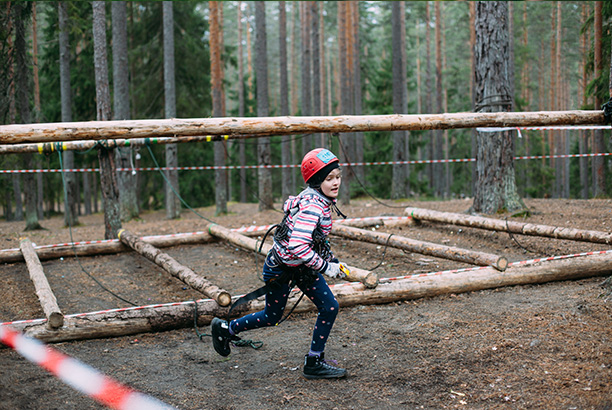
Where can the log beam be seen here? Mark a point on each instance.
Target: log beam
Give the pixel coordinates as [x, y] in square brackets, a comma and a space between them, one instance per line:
[492, 224]
[153, 319]
[254, 127]
[55, 318]
[173, 267]
[425, 248]
[106, 247]
[368, 278]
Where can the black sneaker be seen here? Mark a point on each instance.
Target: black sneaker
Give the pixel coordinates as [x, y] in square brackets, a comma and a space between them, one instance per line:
[315, 367]
[221, 336]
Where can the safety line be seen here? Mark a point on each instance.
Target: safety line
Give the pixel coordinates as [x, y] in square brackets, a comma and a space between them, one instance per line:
[336, 285]
[230, 167]
[78, 375]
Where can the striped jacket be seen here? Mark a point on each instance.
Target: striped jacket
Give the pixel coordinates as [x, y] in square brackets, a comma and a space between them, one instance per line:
[306, 211]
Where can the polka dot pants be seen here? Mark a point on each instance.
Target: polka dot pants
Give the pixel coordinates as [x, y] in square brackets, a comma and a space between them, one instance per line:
[276, 300]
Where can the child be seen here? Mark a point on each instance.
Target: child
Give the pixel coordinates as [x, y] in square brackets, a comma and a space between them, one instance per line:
[300, 255]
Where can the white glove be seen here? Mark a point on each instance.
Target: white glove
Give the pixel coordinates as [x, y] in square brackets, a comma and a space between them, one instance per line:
[333, 269]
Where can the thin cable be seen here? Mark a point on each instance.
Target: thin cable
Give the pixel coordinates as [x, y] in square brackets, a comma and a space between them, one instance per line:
[67, 206]
[148, 145]
[359, 182]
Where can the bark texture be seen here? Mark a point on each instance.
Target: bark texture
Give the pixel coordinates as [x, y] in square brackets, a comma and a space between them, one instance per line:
[495, 190]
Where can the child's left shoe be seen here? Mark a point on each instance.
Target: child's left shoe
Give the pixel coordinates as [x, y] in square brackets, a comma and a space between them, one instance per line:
[221, 336]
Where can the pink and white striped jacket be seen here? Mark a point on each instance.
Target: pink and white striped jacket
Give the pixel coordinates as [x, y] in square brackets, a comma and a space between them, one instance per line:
[306, 211]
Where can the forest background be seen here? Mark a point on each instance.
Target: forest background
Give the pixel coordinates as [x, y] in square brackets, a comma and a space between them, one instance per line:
[328, 46]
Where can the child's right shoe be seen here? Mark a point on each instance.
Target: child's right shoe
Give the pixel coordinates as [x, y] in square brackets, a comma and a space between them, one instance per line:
[221, 336]
[315, 367]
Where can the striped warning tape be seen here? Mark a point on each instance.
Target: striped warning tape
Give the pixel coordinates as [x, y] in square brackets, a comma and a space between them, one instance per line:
[253, 228]
[337, 285]
[78, 375]
[353, 164]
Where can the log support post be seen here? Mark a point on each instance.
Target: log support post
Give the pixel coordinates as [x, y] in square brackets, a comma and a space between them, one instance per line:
[173, 267]
[55, 318]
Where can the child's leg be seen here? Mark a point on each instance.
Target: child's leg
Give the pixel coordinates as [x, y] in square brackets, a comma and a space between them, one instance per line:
[276, 300]
[322, 296]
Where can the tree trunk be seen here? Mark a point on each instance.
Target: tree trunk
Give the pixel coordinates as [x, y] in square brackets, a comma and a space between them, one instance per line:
[21, 15]
[54, 315]
[496, 187]
[306, 101]
[583, 142]
[172, 189]
[216, 80]
[287, 188]
[359, 138]
[241, 108]
[126, 180]
[438, 146]
[264, 152]
[598, 138]
[315, 33]
[400, 102]
[70, 201]
[108, 173]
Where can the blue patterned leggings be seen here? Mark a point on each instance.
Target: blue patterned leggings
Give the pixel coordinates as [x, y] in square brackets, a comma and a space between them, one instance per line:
[276, 300]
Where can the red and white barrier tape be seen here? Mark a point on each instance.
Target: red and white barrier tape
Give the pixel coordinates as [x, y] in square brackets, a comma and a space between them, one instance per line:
[253, 228]
[353, 164]
[337, 285]
[78, 375]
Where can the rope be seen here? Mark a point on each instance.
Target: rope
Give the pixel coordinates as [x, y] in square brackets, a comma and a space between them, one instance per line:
[238, 343]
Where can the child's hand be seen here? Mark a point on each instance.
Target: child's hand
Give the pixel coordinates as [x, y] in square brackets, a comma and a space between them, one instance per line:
[333, 269]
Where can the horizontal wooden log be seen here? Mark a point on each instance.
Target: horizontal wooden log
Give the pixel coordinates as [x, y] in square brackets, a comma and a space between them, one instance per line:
[424, 248]
[54, 315]
[522, 228]
[50, 147]
[153, 319]
[106, 247]
[172, 266]
[368, 278]
[247, 127]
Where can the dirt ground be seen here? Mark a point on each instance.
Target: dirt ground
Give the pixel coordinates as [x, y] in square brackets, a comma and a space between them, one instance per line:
[545, 346]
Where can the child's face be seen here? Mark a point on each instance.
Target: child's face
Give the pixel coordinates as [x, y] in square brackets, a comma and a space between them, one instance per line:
[331, 185]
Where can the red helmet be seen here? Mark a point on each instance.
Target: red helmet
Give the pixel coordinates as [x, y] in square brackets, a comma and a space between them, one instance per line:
[316, 160]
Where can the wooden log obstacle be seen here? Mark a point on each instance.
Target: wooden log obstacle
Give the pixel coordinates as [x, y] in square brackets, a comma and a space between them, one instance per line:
[55, 318]
[127, 321]
[426, 248]
[492, 224]
[170, 265]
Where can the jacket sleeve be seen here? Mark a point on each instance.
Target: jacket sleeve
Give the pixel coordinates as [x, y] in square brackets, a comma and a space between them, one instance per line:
[300, 244]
